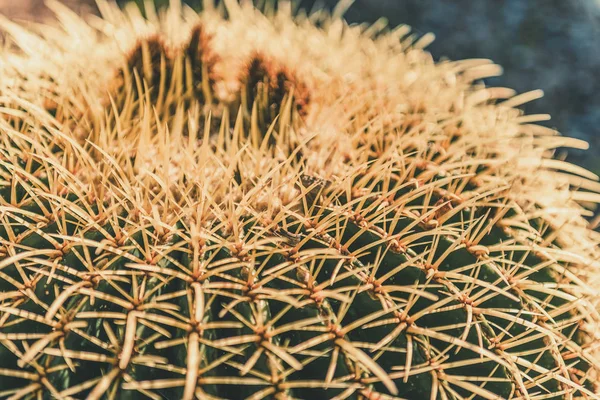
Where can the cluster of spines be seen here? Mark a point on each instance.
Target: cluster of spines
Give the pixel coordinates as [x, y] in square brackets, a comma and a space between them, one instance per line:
[394, 278]
[167, 77]
[268, 85]
[301, 291]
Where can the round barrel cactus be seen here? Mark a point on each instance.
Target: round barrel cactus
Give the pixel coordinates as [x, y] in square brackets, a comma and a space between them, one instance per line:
[265, 204]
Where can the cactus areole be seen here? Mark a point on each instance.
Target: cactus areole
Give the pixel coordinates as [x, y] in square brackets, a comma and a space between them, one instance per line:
[263, 204]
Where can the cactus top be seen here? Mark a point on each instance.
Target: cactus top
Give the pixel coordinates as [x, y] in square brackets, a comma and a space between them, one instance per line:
[244, 204]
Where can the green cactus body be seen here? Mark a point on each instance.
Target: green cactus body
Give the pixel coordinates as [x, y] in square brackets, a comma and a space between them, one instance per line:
[265, 207]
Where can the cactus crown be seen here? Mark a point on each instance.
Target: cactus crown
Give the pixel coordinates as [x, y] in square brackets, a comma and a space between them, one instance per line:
[238, 204]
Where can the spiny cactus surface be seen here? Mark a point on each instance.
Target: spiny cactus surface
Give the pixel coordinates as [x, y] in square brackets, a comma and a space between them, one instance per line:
[248, 205]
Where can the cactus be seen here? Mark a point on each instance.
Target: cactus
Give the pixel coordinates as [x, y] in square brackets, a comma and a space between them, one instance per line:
[242, 204]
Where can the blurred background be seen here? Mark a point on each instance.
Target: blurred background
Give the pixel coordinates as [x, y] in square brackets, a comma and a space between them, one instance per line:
[553, 45]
